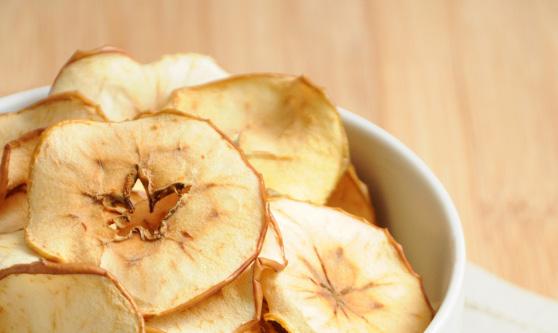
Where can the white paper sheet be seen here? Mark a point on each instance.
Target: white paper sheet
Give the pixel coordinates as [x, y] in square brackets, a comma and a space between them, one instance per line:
[493, 305]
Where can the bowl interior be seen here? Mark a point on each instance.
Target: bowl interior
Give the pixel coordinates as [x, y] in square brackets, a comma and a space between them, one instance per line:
[411, 202]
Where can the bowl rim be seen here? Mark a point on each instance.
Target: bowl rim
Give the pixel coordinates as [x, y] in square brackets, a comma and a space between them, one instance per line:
[452, 295]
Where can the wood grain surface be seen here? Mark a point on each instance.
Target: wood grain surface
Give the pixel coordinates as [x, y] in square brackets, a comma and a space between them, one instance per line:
[471, 86]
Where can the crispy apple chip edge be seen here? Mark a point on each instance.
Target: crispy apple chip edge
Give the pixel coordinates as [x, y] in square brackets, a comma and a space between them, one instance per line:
[72, 298]
[229, 310]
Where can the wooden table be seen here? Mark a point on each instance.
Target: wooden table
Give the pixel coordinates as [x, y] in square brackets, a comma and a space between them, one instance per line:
[471, 86]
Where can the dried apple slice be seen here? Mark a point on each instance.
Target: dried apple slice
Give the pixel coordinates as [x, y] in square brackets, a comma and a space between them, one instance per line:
[124, 87]
[271, 257]
[19, 132]
[272, 327]
[343, 276]
[287, 127]
[272, 254]
[13, 212]
[351, 195]
[45, 297]
[229, 310]
[16, 160]
[203, 222]
[153, 330]
[14, 251]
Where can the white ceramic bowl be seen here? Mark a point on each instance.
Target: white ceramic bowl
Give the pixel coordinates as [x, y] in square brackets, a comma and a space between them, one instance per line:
[409, 199]
[418, 211]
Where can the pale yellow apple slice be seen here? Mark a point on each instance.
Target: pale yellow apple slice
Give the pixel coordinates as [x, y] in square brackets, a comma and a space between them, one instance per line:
[351, 195]
[286, 126]
[45, 297]
[343, 275]
[203, 223]
[19, 133]
[14, 251]
[229, 310]
[124, 87]
[13, 212]
[271, 257]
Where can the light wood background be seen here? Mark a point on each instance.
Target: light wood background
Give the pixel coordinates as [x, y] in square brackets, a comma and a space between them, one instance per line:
[471, 86]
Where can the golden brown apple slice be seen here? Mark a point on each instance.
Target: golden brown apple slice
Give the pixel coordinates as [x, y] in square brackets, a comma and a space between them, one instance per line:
[13, 212]
[343, 275]
[13, 251]
[19, 132]
[124, 87]
[16, 160]
[272, 327]
[227, 311]
[351, 195]
[286, 126]
[45, 297]
[203, 222]
[272, 254]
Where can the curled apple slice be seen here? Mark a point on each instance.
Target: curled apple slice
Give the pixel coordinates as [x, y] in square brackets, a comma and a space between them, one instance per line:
[227, 311]
[124, 87]
[343, 276]
[272, 254]
[286, 126]
[16, 160]
[271, 258]
[45, 297]
[351, 195]
[13, 212]
[19, 133]
[203, 222]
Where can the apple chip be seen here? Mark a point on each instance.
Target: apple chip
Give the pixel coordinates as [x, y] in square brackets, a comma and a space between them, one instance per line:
[288, 129]
[19, 133]
[351, 195]
[14, 251]
[343, 276]
[271, 257]
[272, 327]
[202, 224]
[124, 87]
[227, 311]
[44, 297]
[272, 254]
[153, 330]
[13, 212]
[16, 159]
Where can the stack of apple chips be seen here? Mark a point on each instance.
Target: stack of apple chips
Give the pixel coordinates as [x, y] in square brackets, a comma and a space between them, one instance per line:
[172, 197]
